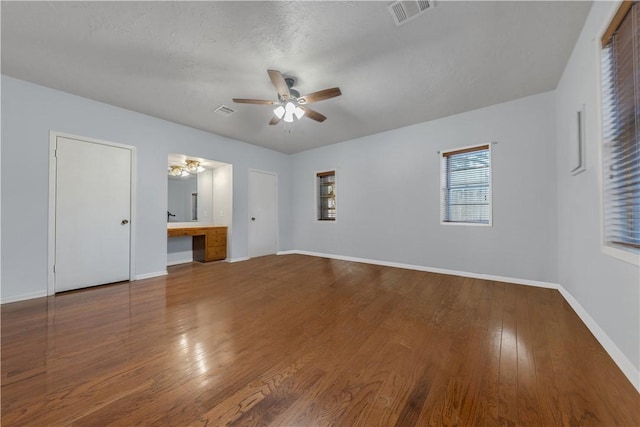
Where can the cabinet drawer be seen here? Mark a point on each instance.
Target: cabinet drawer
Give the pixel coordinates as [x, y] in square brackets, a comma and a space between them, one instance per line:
[219, 230]
[179, 232]
[216, 240]
[216, 253]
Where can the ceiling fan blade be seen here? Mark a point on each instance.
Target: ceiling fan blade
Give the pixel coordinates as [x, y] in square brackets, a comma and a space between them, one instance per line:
[254, 101]
[278, 81]
[320, 95]
[313, 114]
[274, 120]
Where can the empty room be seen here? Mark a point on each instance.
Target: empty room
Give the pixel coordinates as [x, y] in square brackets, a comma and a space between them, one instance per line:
[313, 213]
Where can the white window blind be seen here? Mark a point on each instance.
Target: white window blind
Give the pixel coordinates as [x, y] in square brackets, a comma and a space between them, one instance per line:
[466, 185]
[621, 128]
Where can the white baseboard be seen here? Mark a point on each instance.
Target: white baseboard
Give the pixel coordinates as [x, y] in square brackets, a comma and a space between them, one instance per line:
[625, 365]
[288, 252]
[179, 261]
[23, 297]
[151, 275]
[514, 280]
[244, 258]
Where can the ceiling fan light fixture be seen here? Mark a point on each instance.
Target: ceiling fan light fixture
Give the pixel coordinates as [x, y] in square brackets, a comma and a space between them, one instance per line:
[288, 117]
[279, 111]
[290, 105]
[290, 109]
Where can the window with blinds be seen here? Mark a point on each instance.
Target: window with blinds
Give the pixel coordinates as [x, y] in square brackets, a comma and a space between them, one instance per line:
[466, 185]
[621, 128]
[326, 196]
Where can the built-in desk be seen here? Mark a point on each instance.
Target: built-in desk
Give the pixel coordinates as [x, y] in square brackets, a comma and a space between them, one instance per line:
[209, 242]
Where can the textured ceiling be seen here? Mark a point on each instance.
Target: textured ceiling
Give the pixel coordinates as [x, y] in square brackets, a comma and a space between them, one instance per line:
[180, 60]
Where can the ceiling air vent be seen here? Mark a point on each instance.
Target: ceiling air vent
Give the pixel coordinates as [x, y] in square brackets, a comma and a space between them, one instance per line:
[223, 110]
[405, 11]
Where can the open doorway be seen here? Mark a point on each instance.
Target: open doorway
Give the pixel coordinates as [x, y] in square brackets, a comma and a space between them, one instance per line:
[199, 194]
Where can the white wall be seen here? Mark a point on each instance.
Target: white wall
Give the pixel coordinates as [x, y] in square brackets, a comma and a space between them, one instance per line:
[205, 196]
[223, 200]
[608, 289]
[179, 250]
[30, 111]
[222, 195]
[388, 194]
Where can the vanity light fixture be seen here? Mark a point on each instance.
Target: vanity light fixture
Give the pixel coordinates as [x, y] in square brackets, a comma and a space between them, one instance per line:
[192, 166]
[177, 171]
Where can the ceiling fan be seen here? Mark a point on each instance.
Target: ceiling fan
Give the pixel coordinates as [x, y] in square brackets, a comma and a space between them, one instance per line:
[290, 104]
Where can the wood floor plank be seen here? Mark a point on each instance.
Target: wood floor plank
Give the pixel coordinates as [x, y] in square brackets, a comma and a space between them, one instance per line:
[508, 382]
[575, 351]
[394, 404]
[528, 407]
[304, 341]
[487, 411]
[347, 382]
[546, 380]
[442, 402]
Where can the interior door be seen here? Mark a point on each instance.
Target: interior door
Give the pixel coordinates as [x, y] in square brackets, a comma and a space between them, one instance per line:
[263, 212]
[92, 214]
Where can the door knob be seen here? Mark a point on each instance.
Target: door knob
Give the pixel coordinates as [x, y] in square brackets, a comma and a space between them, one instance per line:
[253, 218]
[124, 222]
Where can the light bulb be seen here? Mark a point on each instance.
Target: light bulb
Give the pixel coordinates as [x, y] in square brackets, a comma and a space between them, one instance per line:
[175, 170]
[290, 107]
[299, 112]
[288, 117]
[279, 111]
[192, 165]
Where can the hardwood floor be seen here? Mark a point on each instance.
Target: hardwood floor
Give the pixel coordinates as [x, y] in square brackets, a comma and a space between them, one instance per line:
[302, 341]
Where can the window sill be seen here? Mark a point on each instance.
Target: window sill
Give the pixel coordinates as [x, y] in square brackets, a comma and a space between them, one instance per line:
[621, 254]
[472, 224]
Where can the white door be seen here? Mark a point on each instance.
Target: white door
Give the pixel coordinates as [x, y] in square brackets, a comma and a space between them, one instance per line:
[92, 214]
[263, 213]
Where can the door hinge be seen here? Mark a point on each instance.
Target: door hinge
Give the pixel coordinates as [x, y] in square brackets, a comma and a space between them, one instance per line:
[55, 153]
[54, 268]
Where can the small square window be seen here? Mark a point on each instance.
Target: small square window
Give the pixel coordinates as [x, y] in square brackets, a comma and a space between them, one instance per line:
[466, 186]
[326, 184]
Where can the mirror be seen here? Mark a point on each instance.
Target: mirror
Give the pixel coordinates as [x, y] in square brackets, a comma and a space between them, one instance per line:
[183, 198]
[191, 189]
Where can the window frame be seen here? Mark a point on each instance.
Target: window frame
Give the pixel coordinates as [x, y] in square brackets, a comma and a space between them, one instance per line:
[317, 201]
[447, 153]
[613, 21]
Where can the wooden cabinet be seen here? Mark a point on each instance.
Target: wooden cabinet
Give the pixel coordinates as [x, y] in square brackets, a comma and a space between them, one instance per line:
[216, 244]
[209, 243]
